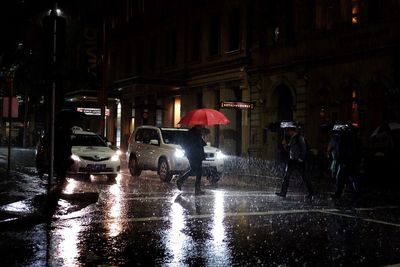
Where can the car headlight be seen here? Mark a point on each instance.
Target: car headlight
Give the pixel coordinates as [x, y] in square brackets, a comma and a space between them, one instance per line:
[115, 157]
[75, 157]
[220, 155]
[179, 153]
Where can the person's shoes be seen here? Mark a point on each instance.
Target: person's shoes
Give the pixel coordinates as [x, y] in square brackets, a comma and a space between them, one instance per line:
[280, 194]
[199, 192]
[179, 184]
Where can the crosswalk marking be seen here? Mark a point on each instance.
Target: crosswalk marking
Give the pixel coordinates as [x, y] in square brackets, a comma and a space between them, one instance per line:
[333, 211]
[358, 217]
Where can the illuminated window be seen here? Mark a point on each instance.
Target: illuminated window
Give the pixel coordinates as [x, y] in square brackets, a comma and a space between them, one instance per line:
[118, 139]
[133, 113]
[355, 11]
[177, 110]
[159, 113]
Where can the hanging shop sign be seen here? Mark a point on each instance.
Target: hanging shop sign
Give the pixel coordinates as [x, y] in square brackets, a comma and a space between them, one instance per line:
[237, 105]
[93, 111]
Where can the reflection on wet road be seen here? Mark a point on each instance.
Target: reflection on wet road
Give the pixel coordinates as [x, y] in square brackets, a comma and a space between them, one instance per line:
[146, 222]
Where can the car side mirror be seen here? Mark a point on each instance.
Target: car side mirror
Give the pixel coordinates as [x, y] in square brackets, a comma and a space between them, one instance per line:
[154, 142]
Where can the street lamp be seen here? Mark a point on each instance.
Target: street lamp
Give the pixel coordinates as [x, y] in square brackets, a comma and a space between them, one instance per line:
[55, 29]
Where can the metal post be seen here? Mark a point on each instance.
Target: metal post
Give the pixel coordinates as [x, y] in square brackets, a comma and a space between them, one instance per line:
[53, 96]
[103, 98]
[10, 85]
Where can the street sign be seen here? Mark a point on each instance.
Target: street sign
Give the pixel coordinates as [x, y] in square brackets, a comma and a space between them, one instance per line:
[237, 105]
[14, 107]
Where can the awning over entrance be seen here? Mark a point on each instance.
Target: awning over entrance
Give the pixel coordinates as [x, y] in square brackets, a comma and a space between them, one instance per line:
[155, 82]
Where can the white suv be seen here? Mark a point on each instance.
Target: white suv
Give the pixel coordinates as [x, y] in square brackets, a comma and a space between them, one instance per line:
[159, 149]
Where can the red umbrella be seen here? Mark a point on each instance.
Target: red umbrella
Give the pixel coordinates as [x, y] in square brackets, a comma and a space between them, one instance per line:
[204, 116]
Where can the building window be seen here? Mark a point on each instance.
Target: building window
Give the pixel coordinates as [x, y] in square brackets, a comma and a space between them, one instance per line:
[118, 137]
[170, 53]
[215, 33]
[355, 12]
[133, 114]
[375, 10]
[327, 14]
[139, 59]
[196, 40]
[153, 54]
[159, 112]
[234, 30]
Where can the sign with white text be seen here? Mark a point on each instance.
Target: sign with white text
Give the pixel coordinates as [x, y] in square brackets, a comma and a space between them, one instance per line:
[238, 105]
[93, 111]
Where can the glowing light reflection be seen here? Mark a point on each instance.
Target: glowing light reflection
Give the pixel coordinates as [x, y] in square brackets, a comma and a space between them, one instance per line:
[115, 211]
[70, 187]
[221, 251]
[68, 246]
[176, 240]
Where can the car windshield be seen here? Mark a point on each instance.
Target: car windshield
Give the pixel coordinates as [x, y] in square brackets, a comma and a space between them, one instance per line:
[173, 136]
[87, 140]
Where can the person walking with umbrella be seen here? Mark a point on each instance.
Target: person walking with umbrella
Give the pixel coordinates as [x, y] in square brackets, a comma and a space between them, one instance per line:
[297, 150]
[194, 149]
[348, 159]
[194, 145]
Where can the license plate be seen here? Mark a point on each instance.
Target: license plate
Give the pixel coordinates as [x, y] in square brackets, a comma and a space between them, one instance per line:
[95, 167]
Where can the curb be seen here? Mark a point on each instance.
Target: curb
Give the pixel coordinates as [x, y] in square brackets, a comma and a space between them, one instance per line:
[43, 208]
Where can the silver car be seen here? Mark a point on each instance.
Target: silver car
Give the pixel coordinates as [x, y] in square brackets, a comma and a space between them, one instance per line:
[159, 149]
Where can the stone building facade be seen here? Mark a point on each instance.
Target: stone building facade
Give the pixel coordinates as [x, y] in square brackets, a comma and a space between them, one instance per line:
[316, 62]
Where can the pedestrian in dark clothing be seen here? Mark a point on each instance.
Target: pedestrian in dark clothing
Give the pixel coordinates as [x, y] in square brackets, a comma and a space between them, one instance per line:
[63, 144]
[332, 153]
[347, 159]
[297, 150]
[194, 149]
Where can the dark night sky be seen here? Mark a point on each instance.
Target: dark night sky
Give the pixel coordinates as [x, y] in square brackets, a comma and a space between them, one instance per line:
[16, 16]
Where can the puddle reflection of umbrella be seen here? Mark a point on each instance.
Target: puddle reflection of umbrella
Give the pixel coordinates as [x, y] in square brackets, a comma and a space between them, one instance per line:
[204, 116]
[386, 128]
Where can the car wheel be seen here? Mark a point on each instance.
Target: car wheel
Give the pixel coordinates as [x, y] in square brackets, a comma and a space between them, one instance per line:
[134, 167]
[163, 170]
[111, 178]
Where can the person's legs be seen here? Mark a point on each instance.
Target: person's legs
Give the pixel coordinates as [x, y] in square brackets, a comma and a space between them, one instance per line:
[302, 169]
[353, 179]
[285, 183]
[198, 173]
[340, 178]
[182, 178]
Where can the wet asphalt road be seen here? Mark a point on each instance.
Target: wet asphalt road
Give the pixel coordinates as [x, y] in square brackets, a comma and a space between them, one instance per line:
[144, 222]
